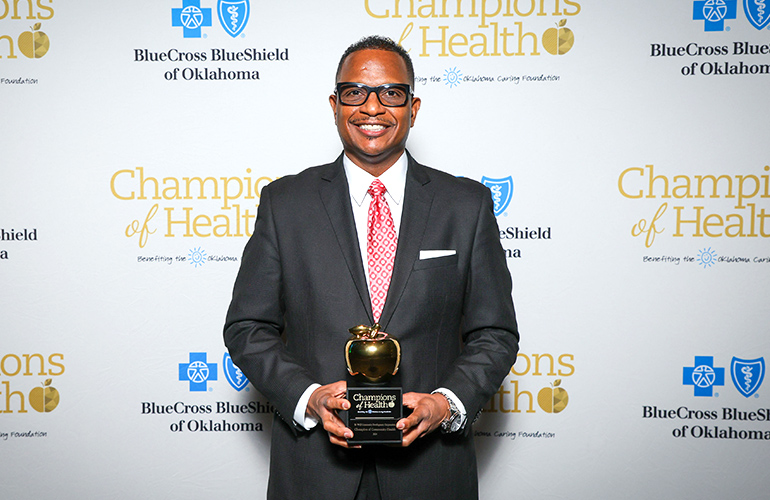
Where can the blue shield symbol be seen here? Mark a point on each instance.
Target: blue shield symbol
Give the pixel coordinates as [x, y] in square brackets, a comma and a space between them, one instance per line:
[233, 15]
[502, 192]
[747, 374]
[233, 374]
[758, 12]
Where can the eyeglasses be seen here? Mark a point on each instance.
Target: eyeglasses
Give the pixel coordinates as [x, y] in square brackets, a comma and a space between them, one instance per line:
[392, 95]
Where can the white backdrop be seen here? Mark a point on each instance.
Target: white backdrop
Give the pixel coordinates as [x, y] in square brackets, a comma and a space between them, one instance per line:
[645, 286]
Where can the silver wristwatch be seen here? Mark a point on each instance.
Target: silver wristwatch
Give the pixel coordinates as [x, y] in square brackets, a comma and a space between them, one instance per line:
[452, 422]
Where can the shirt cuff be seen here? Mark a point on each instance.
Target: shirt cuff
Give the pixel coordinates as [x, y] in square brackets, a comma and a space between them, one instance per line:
[459, 404]
[300, 417]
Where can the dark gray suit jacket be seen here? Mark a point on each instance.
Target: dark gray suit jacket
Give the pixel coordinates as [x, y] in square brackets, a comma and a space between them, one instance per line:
[300, 287]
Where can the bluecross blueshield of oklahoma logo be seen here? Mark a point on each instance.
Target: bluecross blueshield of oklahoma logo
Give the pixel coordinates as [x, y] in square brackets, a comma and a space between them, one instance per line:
[233, 374]
[191, 17]
[502, 192]
[757, 12]
[703, 376]
[713, 13]
[233, 15]
[198, 372]
[747, 374]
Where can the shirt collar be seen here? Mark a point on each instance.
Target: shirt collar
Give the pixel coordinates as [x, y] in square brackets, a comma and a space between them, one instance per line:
[393, 178]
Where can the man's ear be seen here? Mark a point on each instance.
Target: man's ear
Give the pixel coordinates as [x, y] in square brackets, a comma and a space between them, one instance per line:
[415, 108]
[333, 102]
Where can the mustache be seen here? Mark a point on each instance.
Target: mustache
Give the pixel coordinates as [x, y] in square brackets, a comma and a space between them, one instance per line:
[369, 121]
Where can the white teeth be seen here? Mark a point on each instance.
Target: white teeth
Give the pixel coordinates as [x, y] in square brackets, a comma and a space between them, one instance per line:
[372, 128]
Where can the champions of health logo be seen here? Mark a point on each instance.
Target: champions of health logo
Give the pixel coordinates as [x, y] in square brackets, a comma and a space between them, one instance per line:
[504, 29]
[188, 206]
[537, 383]
[27, 381]
[686, 205]
[550, 395]
[26, 31]
[192, 17]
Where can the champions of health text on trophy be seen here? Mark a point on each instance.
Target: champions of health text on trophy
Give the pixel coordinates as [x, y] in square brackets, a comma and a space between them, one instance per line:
[372, 358]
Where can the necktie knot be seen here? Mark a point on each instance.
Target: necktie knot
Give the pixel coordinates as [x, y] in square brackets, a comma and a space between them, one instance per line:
[376, 189]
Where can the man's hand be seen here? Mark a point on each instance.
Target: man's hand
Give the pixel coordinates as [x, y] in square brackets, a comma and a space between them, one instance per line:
[429, 411]
[324, 403]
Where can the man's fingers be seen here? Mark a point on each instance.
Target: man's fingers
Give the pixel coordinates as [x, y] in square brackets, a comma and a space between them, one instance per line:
[413, 429]
[429, 411]
[410, 421]
[336, 427]
[341, 442]
[324, 403]
[411, 399]
[338, 432]
[327, 398]
[333, 403]
[409, 437]
[338, 388]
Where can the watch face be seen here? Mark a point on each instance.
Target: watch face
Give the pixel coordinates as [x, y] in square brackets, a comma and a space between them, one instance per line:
[454, 422]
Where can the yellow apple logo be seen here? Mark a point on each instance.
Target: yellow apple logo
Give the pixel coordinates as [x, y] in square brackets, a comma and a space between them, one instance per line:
[34, 44]
[558, 41]
[553, 399]
[44, 399]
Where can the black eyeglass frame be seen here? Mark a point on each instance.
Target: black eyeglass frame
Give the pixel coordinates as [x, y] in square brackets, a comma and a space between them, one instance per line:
[403, 86]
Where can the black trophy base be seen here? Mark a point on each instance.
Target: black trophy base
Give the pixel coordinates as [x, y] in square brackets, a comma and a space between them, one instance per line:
[374, 411]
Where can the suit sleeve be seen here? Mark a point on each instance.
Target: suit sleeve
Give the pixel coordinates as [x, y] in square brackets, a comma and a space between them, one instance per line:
[255, 320]
[490, 333]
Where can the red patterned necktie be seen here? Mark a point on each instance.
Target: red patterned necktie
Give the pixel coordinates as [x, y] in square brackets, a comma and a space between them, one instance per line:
[380, 248]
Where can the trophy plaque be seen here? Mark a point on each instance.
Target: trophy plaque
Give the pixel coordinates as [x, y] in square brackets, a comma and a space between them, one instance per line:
[372, 358]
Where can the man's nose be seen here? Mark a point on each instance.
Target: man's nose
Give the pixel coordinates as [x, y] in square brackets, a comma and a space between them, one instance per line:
[372, 105]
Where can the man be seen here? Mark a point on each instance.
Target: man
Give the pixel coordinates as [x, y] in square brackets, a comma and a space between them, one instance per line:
[314, 268]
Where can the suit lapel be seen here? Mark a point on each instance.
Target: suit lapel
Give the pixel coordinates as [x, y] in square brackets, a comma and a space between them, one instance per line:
[335, 196]
[418, 197]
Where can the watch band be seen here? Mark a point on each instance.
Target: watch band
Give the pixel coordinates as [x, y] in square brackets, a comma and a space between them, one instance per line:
[452, 422]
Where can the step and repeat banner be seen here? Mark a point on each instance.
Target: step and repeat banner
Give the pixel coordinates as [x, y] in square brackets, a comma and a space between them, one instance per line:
[625, 146]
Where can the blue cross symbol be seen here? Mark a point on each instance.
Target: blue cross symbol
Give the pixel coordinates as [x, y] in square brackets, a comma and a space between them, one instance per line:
[714, 13]
[191, 17]
[703, 376]
[197, 372]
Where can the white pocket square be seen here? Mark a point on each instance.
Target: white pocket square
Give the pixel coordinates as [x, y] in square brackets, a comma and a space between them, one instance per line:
[432, 254]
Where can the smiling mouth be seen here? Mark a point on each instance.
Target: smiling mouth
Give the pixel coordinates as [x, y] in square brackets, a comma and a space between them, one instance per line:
[369, 127]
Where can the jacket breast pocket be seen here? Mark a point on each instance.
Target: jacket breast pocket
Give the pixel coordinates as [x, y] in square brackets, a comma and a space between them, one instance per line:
[448, 260]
